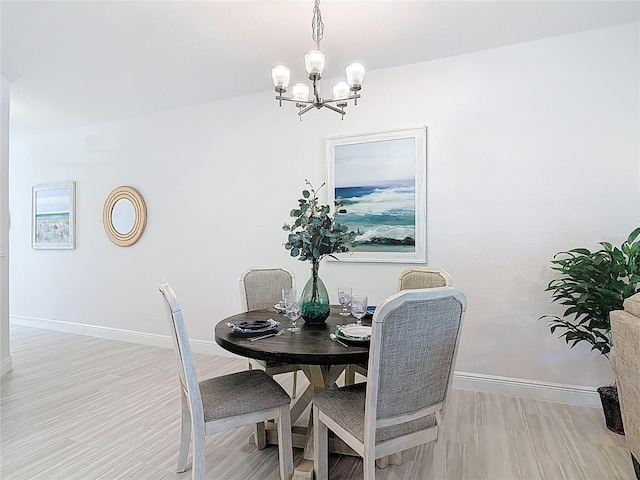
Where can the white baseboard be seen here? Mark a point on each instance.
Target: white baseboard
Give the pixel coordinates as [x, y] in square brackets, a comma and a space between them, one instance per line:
[516, 387]
[5, 366]
[199, 346]
[519, 387]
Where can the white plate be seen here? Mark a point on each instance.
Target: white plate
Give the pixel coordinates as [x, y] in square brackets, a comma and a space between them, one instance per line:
[279, 307]
[356, 331]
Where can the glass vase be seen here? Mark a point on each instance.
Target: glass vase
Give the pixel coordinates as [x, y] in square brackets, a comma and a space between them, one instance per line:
[315, 299]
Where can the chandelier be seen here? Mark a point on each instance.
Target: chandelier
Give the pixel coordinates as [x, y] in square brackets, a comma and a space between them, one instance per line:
[314, 62]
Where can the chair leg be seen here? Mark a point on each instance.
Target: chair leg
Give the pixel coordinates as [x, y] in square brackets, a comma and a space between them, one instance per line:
[199, 454]
[295, 384]
[260, 434]
[285, 453]
[185, 435]
[320, 447]
[369, 466]
[349, 375]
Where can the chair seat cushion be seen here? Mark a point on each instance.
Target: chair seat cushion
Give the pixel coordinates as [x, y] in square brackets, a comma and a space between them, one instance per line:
[346, 407]
[240, 393]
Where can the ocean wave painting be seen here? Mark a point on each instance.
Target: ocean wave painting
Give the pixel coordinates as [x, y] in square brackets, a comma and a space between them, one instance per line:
[375, 183]
[385, 214]
[380, 179]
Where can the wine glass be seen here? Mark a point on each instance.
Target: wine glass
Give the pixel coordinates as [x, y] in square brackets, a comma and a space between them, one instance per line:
[344, 297]
[292, 312]
[358, 307]
[288, 294]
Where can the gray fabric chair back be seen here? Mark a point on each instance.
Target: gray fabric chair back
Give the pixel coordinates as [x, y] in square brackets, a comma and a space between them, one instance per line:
[186, 367]
[413, 349]
[261, 287]
[423, 277]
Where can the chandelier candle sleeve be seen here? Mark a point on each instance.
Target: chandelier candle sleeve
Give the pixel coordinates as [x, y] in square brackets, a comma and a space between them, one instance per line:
[355, 76]
[280, 75]
[314, 63]
[340, 91]
[300, 92]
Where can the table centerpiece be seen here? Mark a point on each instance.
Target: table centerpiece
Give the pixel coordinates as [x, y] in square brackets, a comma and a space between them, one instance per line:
[313, 235]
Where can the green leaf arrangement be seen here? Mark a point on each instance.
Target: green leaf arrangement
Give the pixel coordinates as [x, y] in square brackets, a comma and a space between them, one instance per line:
[590, 286]
[315, 233]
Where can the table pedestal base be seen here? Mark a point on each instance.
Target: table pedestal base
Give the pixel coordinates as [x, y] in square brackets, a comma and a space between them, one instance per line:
[320, 378]
[303, 471]
[299, 439]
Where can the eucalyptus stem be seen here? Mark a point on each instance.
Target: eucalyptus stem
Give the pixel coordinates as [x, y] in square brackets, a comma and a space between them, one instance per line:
[315, 266]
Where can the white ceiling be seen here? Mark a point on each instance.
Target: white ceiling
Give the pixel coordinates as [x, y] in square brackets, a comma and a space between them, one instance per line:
[79, 62]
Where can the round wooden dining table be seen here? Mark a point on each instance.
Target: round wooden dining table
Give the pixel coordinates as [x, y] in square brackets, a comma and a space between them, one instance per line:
[310, 346]
[320, 358]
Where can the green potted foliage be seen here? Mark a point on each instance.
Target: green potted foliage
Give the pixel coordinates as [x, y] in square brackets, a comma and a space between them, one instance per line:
[590, 286]
[313, 235]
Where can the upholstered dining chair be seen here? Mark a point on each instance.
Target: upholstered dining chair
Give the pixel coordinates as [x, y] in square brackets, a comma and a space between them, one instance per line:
[221, 403]
[261, 287]
[402, 403]
[423, 277]
[409, 279]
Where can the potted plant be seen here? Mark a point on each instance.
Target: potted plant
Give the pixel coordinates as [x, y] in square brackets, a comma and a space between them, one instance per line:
[590, 286]
[313, 235]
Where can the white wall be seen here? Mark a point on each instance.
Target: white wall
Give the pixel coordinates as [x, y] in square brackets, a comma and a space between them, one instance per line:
[5, 352]
[532, 149]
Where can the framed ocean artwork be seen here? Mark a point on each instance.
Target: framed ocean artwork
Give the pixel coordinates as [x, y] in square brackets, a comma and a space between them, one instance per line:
[53, 216]
[381, 181]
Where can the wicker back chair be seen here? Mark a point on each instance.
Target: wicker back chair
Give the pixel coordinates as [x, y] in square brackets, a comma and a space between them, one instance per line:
[261, 287]
[221, 403]
[423, 277]
[409, 279]
[411, 369]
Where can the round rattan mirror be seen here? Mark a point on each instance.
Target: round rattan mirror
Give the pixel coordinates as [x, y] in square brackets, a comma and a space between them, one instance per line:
[124, 216]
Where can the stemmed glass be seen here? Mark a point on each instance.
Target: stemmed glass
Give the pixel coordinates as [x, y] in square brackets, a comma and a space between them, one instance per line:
[288, 294]
[292, 307]
[358, 307]
[292, 312]
[344, 297]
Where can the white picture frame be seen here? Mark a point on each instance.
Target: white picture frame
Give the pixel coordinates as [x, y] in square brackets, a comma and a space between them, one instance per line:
[381, 180]
[53, 216]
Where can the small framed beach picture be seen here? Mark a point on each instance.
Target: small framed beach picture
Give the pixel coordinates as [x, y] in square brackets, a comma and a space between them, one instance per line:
[381, 181]
[53, 216]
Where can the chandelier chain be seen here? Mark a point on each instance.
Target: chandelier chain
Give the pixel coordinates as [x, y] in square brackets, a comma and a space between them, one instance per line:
[317, 27]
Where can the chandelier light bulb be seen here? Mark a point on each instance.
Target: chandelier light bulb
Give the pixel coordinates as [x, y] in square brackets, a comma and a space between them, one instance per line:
[314, 62]
[280, 76]
[300, 92]
[340, 91]
[355, 75]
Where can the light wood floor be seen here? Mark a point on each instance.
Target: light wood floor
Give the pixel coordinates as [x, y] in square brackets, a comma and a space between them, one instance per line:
[77, 407]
